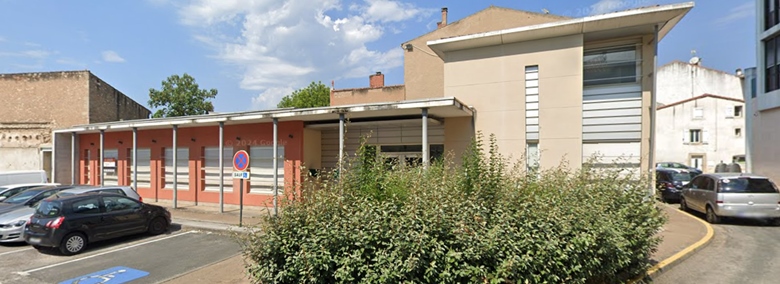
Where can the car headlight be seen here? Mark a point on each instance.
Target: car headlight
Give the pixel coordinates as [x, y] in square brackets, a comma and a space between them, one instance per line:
[20, 223]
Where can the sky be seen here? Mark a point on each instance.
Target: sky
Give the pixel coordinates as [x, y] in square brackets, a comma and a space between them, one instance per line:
[254, 52]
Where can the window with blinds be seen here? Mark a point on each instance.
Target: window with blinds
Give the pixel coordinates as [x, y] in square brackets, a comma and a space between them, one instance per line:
[110, 161]
[261, 168]
[144, 167]
[211, 168]
[182, 171]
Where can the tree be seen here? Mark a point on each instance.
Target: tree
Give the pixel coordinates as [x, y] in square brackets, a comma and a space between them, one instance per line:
[315, 95]
[181, 96]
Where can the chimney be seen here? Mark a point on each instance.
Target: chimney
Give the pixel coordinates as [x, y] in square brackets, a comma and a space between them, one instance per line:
[443, 22]
[377, 80]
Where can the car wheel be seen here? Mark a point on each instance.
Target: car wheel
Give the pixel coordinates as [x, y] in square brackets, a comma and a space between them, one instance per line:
[73, 243]
[158, 226]
[684, 205]
[711, 217]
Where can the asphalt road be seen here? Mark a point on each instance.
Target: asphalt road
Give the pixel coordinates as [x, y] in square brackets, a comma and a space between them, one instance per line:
[742, 251]
[152, 259]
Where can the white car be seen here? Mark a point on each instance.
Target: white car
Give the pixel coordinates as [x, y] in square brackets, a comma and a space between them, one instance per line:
[12, 189]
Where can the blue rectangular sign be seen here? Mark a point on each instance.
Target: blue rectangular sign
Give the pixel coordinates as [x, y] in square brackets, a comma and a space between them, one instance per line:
[118, 274]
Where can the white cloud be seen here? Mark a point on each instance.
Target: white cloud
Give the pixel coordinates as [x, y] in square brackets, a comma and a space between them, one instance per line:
[33, 53]
[746, 10]
[112, 56]
[279, 46]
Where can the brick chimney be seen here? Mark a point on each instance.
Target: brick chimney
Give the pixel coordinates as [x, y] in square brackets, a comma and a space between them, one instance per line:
[443, 22]
[377, 80]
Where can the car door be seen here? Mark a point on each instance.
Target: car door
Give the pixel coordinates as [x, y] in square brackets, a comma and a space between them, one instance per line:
[122, 216]
[708, 193]
[692, 193]
[85, 215]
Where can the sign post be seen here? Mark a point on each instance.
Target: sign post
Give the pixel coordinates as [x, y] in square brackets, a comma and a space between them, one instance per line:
[240, 165]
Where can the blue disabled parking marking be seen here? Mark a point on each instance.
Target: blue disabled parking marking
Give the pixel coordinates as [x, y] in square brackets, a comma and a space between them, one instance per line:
[118, 274]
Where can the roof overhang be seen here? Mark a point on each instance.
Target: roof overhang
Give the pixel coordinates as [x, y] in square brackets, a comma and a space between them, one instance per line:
[640, 21]
[437, 108]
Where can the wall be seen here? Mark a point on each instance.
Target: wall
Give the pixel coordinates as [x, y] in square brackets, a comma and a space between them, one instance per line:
[492, 80]
[765, 152]
[367, 95]
[458, 134]
[59, 98]
[312, 148]
[720, 144]
[108, 104]
[423, 69]
[159, 139]
[678, 81]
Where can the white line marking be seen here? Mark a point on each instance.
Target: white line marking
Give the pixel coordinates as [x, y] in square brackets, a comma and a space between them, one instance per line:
[99, 254]
[10, 252]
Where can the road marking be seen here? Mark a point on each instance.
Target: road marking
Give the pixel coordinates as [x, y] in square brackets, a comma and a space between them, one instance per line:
[27, 272]
[117, 274]
[13, 251]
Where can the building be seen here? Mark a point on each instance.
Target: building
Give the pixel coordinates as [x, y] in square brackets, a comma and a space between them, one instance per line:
[701, 119]
[37, 103]
[562, 89]
[764, 104]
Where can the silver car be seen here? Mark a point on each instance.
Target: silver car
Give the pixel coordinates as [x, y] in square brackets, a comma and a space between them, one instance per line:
[732, 195]
[121, 189]
[12, 224]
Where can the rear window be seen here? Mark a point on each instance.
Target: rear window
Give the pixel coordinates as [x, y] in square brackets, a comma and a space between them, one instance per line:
[48, 208]
[681, 176]
[747, 185]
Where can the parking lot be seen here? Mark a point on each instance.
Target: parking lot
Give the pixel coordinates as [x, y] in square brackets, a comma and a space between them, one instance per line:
[141, 259]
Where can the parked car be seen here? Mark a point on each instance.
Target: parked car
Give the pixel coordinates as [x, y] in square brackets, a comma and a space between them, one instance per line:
[29, 197]
[122, 190]
[16, 177]
[12, 189]
[673, 165]
[70, 223]
[12, 223]
[670, 182]
[732, 195]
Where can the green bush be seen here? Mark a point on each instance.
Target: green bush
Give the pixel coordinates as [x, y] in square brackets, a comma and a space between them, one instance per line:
[484, 220]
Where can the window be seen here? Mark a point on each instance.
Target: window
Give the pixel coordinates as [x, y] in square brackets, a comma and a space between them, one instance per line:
[261, 168]
[144, 167]
[532, 102]
[113, 190]
[747, 185]
[115, 203]
[770, 13]
[532, 156]
[110, 159]
[611, 66]
[738, 132]
[737, 111]
[695, 136]
[182, 168]
[698, 112]
[772, 63]
[86, 206]
[211, 168]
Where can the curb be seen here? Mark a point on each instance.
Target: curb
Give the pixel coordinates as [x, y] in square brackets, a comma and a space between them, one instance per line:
[210, 226]
[678, 257]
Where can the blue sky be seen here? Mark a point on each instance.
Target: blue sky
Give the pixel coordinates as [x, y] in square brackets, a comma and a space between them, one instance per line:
[256, 51]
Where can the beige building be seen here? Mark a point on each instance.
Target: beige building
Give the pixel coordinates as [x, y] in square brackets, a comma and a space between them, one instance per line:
[763, 95]
[37, 103]
[560, 89]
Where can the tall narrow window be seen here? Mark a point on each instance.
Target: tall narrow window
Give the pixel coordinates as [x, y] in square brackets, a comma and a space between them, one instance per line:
[182, 168]
[261, 167]
[87, 170]
[532, 156]
[695, 135]
[211, 168]
[110, 159]
[144, 167]
[532, 103]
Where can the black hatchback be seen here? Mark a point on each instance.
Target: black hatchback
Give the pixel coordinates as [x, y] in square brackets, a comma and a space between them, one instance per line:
[69, 223]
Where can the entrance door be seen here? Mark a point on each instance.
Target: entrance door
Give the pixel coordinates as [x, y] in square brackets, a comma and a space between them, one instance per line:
[697, 161]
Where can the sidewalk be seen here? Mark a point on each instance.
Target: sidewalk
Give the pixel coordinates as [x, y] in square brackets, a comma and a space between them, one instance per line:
[682, 235]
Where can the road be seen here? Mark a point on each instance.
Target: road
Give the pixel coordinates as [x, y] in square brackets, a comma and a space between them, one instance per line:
[151, 259]
[742, 251]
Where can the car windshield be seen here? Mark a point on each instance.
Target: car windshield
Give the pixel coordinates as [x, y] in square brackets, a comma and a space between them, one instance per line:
[48, 208]
[681, 176]
[7, 193]
[747, 185]
[22, 197]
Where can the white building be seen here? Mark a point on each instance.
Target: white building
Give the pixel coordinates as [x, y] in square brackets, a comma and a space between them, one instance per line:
[700, 115]
[763, 94]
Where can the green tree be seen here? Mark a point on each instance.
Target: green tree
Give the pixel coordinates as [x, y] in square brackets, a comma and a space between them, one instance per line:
[315, 95]
[181, 96]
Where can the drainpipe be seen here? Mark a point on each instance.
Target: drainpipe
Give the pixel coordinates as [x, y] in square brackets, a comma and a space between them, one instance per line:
[276, 167]
[135, 158]
[425, 147]
[102, 140]
[73, 154]
[651, 156]
[221, 167]
[175, 167]
[341, 143]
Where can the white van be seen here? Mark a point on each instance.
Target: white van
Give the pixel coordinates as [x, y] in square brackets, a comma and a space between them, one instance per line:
[17, 177]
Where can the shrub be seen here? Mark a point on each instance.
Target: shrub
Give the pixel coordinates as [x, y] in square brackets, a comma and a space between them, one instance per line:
[484, 220]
